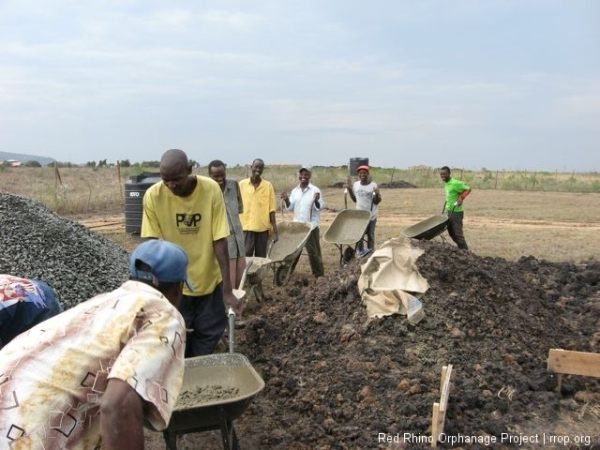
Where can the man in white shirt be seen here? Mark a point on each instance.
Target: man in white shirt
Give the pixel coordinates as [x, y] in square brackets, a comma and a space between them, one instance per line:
[365, 193]
[306, 202]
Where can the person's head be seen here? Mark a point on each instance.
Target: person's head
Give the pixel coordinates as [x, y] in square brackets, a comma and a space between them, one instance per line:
[216, 170]
[175, 171]
[445, 174]
[304, 176]
[363, 174]
[258, 166]
[163, 265]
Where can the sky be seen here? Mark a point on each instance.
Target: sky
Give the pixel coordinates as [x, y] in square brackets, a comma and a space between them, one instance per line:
[495, 84]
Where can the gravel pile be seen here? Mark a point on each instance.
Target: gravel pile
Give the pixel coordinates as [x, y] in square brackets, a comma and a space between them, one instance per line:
[37, 243]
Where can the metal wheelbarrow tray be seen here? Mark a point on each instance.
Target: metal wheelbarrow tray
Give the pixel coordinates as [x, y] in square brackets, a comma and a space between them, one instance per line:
[427, 229]
[282, 256]
[216, 390]
[347, 228]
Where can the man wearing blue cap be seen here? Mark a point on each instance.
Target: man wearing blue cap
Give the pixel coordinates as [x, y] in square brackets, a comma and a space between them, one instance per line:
[93, 375]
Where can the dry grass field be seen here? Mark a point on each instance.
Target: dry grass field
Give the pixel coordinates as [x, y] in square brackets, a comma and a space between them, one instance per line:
[556, 226]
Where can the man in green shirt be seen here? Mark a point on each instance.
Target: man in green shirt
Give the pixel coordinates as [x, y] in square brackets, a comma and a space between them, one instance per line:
[456, 192]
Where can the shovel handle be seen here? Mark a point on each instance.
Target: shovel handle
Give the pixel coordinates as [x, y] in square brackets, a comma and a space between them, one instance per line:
[231, 314]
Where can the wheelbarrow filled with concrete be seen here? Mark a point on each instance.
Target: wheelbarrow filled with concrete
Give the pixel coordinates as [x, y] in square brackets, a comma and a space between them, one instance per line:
[347, 229]
[281, 257]
[216, 390]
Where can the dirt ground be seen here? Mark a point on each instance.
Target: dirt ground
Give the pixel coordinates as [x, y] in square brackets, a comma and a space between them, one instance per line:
[334, 380]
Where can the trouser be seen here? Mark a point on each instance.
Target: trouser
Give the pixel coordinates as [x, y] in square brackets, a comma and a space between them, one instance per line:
[455, 229]
[370, 233]
[256, 243]
[313, 249]
[206, 316]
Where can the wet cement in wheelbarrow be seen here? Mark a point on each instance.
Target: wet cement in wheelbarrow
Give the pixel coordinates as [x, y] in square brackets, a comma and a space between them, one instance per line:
[337, 381]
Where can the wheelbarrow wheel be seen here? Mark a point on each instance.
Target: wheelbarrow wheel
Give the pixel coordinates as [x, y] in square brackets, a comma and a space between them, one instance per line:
[282, 275]
[348, 255]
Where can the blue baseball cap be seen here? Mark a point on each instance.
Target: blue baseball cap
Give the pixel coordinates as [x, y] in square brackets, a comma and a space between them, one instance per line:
[167, 261]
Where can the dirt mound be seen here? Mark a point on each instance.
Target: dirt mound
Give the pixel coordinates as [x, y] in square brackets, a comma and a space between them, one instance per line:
[400, 184]
[335, 381]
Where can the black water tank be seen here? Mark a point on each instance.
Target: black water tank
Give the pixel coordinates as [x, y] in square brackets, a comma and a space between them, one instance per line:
[134, 196]
[355, 163]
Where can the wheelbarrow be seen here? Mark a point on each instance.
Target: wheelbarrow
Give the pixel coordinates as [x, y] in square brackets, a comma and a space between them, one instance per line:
[216, 390]
[281, 256]
[429, 228]
[347, 229]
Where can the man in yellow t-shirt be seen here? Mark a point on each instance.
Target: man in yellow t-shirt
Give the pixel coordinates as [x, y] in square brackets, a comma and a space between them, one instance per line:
[260, 205]
[189, 210]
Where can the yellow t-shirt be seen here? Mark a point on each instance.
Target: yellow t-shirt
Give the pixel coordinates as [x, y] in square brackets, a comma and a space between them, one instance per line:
[259, 203]
[194, 223]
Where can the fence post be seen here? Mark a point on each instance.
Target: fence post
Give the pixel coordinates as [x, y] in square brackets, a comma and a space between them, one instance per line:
[119, 179]
[57, 178]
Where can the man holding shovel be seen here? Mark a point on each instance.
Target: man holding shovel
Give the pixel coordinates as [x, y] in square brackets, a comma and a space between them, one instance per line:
[456, 192]
[365, 193]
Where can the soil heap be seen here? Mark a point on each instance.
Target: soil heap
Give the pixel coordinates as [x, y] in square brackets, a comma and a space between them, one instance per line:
[335, 381]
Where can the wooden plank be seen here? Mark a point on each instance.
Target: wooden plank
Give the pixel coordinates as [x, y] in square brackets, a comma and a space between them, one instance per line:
[439, 409]
[445, 389]
[435, 424]
[574, 363]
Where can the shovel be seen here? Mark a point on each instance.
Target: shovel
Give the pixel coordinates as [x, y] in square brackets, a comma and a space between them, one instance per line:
[240, 293]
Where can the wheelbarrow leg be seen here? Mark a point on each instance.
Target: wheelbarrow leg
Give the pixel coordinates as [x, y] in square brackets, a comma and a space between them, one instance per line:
[170, 439]
[230, 440]
[258, 292]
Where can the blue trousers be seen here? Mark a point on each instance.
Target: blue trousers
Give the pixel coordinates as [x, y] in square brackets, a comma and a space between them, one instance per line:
[206, 316]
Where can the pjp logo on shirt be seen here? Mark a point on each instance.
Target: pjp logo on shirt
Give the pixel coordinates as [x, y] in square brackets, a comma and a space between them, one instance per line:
[189, 220]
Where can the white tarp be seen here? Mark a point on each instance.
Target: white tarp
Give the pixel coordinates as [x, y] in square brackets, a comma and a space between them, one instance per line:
[390, 282]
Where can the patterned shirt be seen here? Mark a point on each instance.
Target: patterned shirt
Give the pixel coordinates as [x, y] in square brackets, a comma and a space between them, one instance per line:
[23, 304]
[52, 377]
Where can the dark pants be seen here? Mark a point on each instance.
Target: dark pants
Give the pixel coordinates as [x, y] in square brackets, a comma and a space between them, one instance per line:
[370, 233]
[313, 249]
[455, 229]
[23, 315]
[256, 243]
[206, 316]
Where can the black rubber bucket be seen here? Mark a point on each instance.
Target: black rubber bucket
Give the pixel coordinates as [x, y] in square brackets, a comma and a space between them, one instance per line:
[355, 163]
[134, 198]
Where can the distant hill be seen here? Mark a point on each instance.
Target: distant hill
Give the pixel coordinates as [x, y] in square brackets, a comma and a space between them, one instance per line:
[43, 160]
